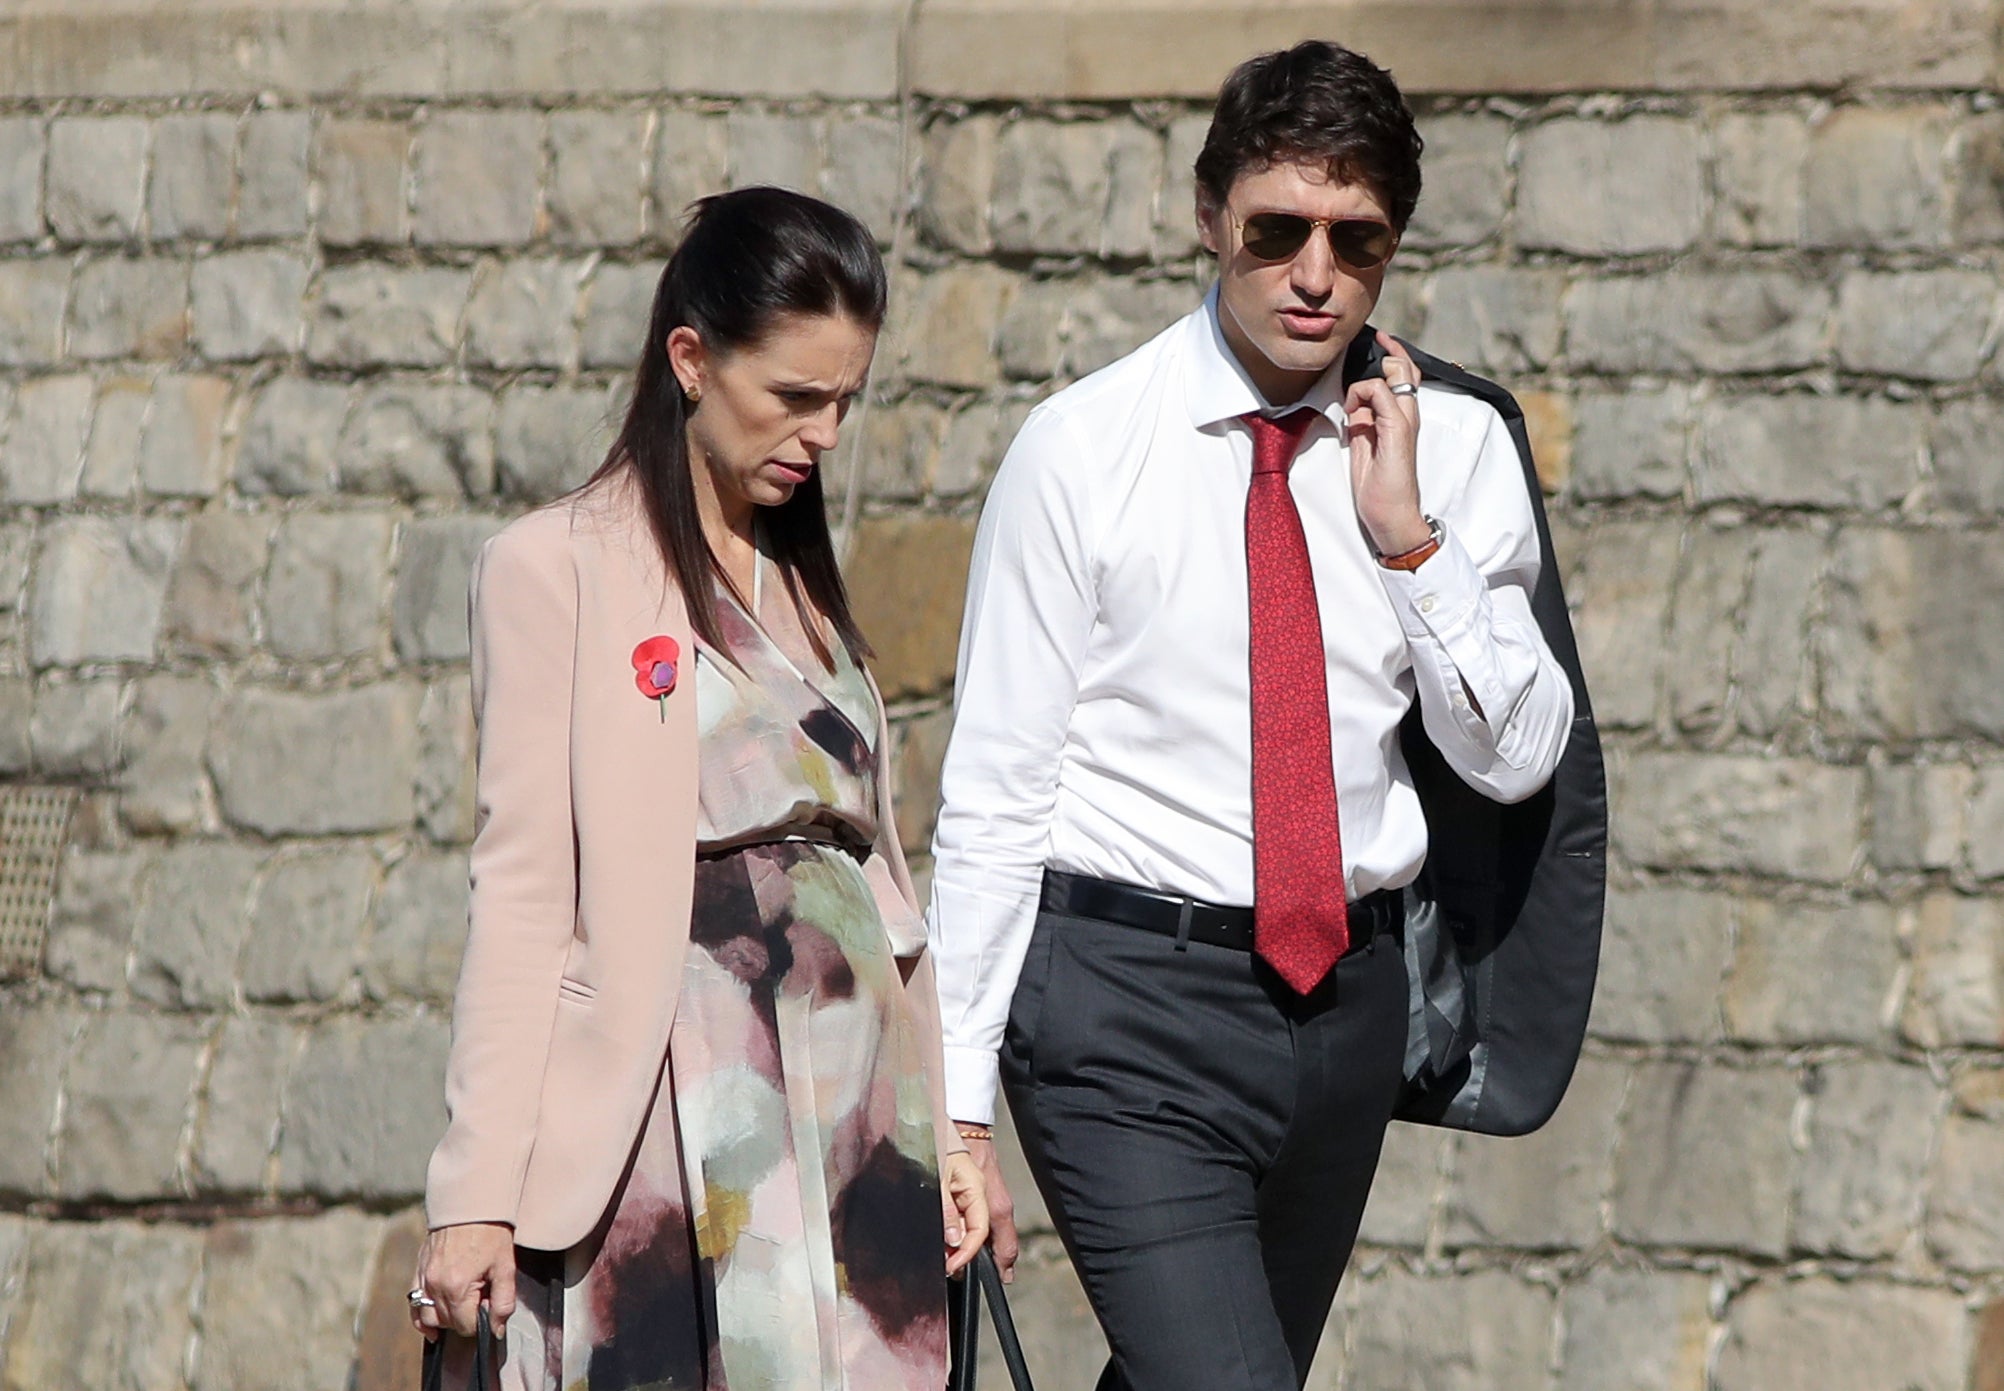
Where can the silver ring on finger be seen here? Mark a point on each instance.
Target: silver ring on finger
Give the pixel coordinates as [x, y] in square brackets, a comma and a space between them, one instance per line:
[420, 1300]
[1405, 389]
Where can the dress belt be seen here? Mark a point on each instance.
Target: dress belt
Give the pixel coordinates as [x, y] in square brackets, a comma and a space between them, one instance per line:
[1129, 905]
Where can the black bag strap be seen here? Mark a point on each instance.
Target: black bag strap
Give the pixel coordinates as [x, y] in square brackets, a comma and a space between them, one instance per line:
[483, 1370]
[965, 1292]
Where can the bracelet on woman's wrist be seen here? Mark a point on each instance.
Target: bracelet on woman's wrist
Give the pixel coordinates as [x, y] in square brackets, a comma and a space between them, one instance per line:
[974, 1132]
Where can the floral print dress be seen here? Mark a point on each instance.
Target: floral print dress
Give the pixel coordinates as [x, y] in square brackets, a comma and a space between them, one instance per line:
[779, 1226]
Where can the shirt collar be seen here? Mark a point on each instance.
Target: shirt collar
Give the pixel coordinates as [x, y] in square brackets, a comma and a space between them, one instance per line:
[1218, 389]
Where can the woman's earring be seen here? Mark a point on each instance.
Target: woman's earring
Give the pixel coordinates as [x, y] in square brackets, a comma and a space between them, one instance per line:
[694, 393]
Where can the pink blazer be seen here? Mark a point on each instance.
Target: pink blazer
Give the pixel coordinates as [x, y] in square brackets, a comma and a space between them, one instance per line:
[582, 869]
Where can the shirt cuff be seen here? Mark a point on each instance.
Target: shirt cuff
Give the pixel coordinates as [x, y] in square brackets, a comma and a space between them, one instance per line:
[1437, 598]
[971, 1084]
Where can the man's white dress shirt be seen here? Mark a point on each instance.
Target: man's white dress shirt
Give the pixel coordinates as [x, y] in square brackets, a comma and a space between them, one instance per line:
[1104, 699]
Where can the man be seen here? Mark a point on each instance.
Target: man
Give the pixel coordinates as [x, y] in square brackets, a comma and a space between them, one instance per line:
[1176, 887]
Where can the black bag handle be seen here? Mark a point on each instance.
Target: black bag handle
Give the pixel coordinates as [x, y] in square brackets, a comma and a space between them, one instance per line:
[483, 1371]
[963, 1316]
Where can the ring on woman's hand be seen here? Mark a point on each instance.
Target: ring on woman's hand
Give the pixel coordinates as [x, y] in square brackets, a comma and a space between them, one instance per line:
[420, 1300]
[1404, 389]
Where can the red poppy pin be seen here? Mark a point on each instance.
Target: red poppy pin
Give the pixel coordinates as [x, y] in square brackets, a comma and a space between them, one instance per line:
[654, 669]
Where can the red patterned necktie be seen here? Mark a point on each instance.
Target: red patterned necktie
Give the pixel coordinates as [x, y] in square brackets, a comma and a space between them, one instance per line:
[1300, 916]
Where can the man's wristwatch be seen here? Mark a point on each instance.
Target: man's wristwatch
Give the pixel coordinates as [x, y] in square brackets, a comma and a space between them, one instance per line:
[1420, 554]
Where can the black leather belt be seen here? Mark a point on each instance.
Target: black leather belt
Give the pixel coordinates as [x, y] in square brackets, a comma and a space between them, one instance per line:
[1081, 895]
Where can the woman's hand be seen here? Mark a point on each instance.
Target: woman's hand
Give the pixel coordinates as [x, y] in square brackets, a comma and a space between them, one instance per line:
[1384, 453]
[964, 1205]
[460, 1266]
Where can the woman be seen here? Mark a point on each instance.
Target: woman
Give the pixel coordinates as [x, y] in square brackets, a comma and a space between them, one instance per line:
[696, 1135]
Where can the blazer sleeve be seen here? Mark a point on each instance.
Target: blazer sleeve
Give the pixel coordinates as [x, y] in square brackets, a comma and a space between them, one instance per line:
[523, 873]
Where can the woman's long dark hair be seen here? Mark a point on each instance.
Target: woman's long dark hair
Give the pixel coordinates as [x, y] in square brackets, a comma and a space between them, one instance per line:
[749, 258]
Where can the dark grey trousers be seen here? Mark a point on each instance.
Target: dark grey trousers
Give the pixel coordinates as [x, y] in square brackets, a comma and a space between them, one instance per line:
[1205, 1139]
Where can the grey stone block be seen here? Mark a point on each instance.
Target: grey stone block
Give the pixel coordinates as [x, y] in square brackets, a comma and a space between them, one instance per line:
[117, 435]
[96, 177]
[445, 802]
[774, 148]
[35, 1039]
[288, 442]
[415, 440]
[1628, 575]
[1778, 449]
[1407, 1186]
[524, 314]
[125, 1102]
[1496, 320]
[100, 588]
[329, 577]
[597, 177]
[32, 294]
[947, 331]
[104, 1304]
[1772, 670]
[191, 927]
[363, 1108]
[362, 168]
[194, 173]
[1664, 953]
[1111, 318]
[862, 175]
[383, 316]
[690, 159]
[1759, 170]
[121, 307]
[1923, 325]
[1964, 447]
[164, 789]
[1480, 1331]
[435, 558]
[306, 930]
[1869, 1139]
[1809, 1335]
[1632, 444]
[74, 732]
[1737, 1198]
[1692, 322]
[91, 923]
[420, 929]
[1856, 949]
[1134, 177]
[1176, 208]
[1957, 992]
[181, 451]
[275, 176]
[45, 440]
[1977, 150]
[1053, 187]
[1542, 1191]
[1704, 619]
[1986, 823]
[1875, 179]
[548, 439]
[281, 1298]
[1789, 817]
[1920, 815]
[24, 145]
[249, 304]
[618, 300]
[1467, 174]
[17, 704]
[958, 181]
[283, 766]
[211, 596]
[1647, 1330]
[1648, 181]
[1030, 337]
[1906, 657]
[976, 436]
[237, 1130]
[477, 175]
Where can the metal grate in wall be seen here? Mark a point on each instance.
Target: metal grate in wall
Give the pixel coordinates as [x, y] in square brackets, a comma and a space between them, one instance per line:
[34, 822]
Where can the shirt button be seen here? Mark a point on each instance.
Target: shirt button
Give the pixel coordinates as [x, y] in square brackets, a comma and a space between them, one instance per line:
[1426, 604]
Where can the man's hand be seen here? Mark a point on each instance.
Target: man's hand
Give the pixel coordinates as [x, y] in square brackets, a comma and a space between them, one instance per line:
[1001, 1207]
[460, 1266]
[1384, 453]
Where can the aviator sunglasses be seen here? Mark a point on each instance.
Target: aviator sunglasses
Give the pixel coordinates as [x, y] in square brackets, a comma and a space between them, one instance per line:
[1359, 242]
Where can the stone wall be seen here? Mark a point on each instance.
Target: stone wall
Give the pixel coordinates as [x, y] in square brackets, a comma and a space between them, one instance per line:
[300, 301]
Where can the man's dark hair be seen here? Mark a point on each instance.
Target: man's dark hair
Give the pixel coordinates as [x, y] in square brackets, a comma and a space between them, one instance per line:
[1319, 103]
